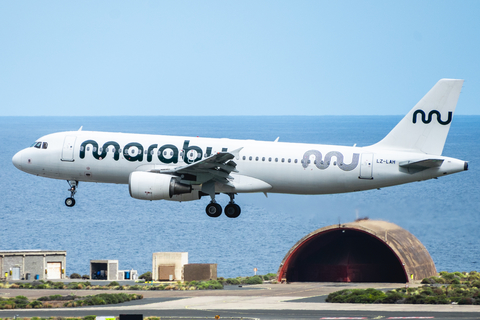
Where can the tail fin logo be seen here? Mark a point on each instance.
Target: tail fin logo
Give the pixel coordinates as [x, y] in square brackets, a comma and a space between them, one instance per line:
[430, 115]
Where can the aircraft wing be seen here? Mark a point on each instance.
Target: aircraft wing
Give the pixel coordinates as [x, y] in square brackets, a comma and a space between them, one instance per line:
[216, 167]
[421, 164]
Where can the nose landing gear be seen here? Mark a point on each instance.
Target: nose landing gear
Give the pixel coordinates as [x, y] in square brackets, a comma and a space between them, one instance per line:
[70, 202]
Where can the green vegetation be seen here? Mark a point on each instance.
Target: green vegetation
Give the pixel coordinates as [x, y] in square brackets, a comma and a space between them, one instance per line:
[22, 302]
[114, 285]
[103, 298]
[448, 288]
[147, 276]
[259, 279]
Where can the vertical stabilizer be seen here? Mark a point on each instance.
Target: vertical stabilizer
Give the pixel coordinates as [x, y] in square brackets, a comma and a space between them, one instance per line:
[425, 127]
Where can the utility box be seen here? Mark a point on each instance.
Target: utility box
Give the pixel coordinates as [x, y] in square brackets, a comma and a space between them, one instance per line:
[104, 270]
[168, 265]
[127, 275]
[200, 271]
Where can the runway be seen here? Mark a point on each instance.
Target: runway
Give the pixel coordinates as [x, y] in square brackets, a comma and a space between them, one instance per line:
[271, 301]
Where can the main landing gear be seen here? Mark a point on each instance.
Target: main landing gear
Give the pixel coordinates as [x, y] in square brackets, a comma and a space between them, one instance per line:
[70, 202]
[232, 210]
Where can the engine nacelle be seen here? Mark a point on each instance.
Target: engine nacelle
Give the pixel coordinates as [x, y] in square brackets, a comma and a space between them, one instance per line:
[155, 186]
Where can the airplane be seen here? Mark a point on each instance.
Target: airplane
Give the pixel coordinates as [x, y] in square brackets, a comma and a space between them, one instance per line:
[177, 168]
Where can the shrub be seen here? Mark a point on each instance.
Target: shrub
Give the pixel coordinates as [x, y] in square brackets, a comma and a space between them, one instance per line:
[476, 283]
[391, 297]
[136, 287]
[113, 284]
[75, 276]
[35, 304]
[233, 281]
[147, 276]
[466, 301]
[254, 280]
[86, 277]
[59, 285]
[270, 276]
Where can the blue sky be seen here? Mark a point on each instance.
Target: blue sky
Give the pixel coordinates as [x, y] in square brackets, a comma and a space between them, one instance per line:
[89, 58]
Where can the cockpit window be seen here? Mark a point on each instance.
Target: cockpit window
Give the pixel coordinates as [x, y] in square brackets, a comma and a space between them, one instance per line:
[45, 145]
[37, 144]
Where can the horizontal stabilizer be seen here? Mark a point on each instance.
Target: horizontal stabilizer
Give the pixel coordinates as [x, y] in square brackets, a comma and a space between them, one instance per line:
[421, 164]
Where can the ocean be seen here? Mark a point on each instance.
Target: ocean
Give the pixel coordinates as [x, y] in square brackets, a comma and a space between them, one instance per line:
[106, 223]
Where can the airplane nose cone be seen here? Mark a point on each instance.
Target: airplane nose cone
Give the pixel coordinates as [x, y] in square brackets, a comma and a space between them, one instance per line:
[17, 160]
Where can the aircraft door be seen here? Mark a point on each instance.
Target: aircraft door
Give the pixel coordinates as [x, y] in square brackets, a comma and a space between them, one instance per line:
[68, 148]
[366, 166]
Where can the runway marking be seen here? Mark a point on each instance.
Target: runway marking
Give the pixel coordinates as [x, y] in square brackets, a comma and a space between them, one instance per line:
[338, 318]
[411, 318]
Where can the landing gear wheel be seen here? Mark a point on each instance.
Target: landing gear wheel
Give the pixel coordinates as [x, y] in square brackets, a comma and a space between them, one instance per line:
[232, 210]
[69, 202]
[213, 210]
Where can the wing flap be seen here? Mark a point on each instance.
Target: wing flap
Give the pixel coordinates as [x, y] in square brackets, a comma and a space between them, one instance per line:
[216, 167]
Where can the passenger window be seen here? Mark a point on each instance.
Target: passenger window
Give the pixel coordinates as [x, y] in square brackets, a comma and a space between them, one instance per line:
[283, 159]
[45, 145]
[82, 148]
[250, 158]
[100, 149]
[276, 159]
[295, 160]
[263, 158]
[289, 160]
[256, 158]
[88, 148]
[270, 159]
[244, 157]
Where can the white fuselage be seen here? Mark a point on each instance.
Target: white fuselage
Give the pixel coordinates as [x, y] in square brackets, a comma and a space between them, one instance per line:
[273, 167]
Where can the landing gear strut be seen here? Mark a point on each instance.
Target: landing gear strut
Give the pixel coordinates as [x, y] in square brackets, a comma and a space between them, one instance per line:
[232, 210]
[70, 202]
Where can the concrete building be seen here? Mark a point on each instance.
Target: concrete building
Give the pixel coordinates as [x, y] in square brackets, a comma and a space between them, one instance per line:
[33, 264]
[108, 270]
[104, 270]
[168, 265]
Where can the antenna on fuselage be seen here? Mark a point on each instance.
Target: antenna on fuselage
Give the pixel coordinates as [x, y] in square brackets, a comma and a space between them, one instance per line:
[276, 140]
[80, 128]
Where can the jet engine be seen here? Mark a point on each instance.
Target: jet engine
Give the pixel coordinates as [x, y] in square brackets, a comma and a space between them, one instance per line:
[155, 186]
